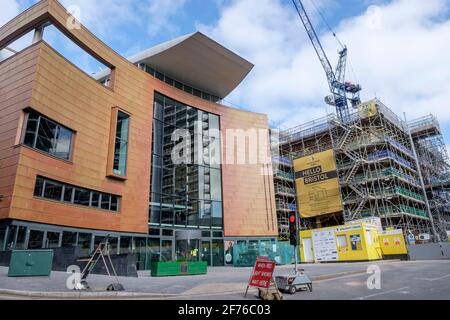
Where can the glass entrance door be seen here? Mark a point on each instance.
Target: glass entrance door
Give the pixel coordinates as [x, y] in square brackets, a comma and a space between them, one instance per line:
[218, 253]
[187, 250]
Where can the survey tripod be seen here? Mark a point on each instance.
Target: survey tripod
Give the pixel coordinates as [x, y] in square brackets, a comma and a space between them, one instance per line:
[101, 252]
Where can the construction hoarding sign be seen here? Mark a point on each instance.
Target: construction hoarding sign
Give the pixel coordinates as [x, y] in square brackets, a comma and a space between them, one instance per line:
[317, 184]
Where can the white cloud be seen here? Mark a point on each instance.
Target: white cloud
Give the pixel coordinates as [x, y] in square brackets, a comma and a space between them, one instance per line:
[109, 19]
[158, 14]
[401, 53]
[10, 8]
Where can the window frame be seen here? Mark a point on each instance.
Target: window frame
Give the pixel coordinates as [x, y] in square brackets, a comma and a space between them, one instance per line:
[62, 200]
[26, 112]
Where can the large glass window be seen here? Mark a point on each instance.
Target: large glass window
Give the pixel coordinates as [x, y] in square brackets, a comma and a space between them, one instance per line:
[187, 194]
[46, 135]
[121, 144]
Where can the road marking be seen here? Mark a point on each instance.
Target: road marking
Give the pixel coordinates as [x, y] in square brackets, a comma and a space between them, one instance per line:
[380, 293]
[434, 279]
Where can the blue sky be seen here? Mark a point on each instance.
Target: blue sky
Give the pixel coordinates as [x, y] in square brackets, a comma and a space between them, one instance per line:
[399, 50]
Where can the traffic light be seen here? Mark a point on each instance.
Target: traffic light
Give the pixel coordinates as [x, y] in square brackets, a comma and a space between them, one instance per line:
[293, 233]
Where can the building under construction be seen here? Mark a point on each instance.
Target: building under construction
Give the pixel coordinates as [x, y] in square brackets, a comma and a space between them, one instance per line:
[382, 167]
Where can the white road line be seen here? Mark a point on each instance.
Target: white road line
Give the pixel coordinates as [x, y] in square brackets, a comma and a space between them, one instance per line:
[380, 293]
[433, 279]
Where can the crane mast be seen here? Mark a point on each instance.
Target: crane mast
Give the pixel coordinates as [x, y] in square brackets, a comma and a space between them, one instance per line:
[336, 80]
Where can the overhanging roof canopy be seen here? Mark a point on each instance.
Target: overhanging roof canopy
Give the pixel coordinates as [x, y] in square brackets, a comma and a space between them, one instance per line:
[198, 61]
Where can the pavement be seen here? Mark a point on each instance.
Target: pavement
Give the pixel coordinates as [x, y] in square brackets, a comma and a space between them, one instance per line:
[399, 280]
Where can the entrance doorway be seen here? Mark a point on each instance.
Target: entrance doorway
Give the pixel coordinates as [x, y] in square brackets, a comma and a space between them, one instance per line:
[187, 250]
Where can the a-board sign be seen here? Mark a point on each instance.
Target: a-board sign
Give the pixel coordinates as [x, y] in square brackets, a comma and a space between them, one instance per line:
[262, 273]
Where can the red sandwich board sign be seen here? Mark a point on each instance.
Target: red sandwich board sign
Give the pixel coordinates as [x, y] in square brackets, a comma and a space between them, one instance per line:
[262, 273]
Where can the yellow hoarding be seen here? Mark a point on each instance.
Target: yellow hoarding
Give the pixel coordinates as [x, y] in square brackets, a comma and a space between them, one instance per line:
[317, 184]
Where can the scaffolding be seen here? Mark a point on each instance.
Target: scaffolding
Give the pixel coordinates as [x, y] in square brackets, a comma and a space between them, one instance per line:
[378, 171]
[434, 161]
[285, 195]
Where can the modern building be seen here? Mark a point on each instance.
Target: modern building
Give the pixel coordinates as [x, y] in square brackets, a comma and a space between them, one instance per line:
[375, 165]
[84, 156]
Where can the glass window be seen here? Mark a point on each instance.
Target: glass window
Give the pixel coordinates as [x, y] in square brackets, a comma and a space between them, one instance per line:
[216, 185]
[48, 136]
[154, 251]
[10, 238]
[193, 212]
[125, 245]
[95, 199]
[31, 129]
[186, 195]
[178, 85]
[52, 240]
[69, 239]
[157, 137]
[114, 203]
[218, 253]
[36, 239]
[21, 235]
[121, 144]
[188, 89]
[105, 202]
[155, 214]
[82, 197]
[217, 216]
[52, 190]
[159, 75]
[2, 237]
[68, 194]
[197, 93]
[166, 250]
[205, 217]
[84, 242]
[39, 187]
[159, 107]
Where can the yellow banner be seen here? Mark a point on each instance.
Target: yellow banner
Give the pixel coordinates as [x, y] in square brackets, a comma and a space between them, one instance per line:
[317, 184]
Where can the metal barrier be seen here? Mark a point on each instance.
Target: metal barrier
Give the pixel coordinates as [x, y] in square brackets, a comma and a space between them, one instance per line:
[429, 251]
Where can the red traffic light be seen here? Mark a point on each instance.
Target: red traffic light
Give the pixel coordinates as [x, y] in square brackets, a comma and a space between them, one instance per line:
[292, 219]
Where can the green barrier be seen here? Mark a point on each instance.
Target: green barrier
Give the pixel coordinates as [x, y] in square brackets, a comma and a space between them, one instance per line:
[31, 263]
[169, 269]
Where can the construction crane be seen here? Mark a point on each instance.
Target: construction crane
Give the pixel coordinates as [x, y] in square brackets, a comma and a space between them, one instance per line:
[340, 89]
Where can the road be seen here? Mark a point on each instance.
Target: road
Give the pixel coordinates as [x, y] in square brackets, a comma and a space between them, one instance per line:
[423, 280]
[400, 280]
